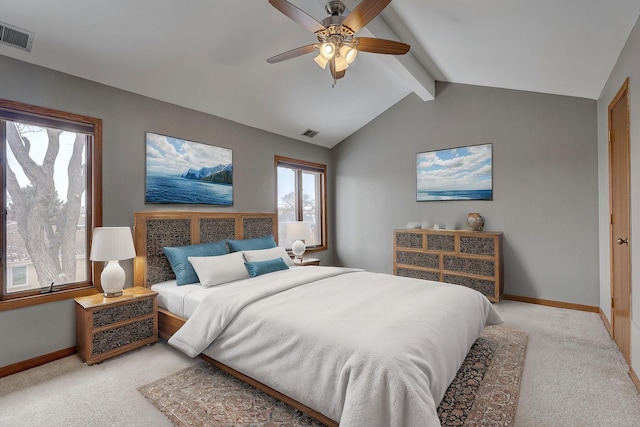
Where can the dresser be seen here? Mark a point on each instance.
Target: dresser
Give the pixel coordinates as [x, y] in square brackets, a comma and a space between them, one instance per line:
[460, 257]
[106, 327]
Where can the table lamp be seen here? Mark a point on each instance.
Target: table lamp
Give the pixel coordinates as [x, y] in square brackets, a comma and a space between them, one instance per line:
[297, 232]
[112, 244]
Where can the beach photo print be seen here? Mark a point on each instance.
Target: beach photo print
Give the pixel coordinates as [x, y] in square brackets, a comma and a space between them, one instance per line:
[463, 173]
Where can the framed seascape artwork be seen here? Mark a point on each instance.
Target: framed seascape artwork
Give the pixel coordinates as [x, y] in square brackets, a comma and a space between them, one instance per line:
[181, 171]
[463, 173]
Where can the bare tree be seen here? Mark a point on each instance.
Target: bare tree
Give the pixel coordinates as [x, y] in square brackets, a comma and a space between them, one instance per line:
[46, 224]
[287, 204]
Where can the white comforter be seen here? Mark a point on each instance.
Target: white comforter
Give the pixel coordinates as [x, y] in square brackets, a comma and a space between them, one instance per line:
[364, 349]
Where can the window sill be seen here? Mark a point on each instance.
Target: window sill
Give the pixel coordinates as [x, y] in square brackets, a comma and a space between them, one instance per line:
[12, 304]
[314, 249]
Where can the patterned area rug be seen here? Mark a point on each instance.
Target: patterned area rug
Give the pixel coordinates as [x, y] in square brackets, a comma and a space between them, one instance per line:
[483, 393]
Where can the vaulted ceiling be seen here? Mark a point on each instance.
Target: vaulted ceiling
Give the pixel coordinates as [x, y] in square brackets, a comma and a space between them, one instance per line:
[211, 56]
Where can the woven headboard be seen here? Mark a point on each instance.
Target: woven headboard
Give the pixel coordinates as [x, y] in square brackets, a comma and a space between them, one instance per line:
[157, 229]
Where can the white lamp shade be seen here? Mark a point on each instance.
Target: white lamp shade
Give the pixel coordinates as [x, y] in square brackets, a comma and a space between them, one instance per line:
[112, 244]
[340, 63]
[321, 61]
[348, 53]
[327, 50]
[297, 231]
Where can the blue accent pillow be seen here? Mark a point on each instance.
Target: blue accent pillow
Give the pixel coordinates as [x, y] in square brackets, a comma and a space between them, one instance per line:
[257, 268]
[177, 256]
[266, 242]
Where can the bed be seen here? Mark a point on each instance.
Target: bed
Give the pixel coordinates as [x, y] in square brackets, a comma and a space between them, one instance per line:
[342, 345]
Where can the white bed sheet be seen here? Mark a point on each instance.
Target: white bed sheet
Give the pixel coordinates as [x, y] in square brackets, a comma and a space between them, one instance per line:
[331, 342]
[180, 300]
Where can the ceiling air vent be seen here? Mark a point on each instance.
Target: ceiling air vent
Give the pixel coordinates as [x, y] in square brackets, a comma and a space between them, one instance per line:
[16, 37]
[310, 133]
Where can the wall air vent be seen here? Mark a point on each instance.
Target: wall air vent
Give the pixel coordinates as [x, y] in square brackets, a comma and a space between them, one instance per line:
[309, 133]
[16, 37]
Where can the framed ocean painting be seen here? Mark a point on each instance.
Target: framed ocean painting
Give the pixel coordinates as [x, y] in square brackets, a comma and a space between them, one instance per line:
[181, 171]
[463, 173]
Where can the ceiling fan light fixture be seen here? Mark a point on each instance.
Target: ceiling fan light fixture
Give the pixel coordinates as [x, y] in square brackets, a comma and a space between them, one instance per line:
[321, 61]
[348, 53]
[327, 50]
[340, 63]
[337, 44]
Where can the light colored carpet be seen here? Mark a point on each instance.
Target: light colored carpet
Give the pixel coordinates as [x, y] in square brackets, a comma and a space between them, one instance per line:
[69, 393]
[484, 391]
[573, 375]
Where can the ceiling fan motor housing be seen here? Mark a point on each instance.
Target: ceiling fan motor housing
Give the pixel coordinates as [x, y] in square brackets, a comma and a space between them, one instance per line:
[334, 7]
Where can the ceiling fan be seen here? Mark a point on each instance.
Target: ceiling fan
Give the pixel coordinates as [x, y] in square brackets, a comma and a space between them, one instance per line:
[337, 45]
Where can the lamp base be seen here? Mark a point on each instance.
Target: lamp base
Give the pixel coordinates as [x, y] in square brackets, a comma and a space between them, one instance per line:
[112, 279]
[298, 248]
[112, 294]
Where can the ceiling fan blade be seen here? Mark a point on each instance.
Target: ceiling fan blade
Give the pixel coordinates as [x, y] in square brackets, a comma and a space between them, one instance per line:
[363, 13]
[297, 15]
[369, 44]
[293, 53]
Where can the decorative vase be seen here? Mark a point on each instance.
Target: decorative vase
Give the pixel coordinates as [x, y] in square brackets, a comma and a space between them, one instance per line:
[475, 222]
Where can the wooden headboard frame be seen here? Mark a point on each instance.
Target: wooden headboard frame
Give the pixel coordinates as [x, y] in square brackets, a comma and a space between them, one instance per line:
[154, 230]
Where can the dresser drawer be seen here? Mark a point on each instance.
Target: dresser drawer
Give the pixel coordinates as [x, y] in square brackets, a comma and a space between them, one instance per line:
[129, 333]
[419, 259]
[120, 313]
[479, 267]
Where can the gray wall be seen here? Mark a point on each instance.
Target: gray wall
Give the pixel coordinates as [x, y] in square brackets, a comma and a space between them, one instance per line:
[545, 184]
[628, 65]
[39, 330]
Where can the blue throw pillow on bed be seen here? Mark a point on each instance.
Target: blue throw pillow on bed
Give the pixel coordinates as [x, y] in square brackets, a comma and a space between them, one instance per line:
[266, 242]
[257, 268]
[177, 256]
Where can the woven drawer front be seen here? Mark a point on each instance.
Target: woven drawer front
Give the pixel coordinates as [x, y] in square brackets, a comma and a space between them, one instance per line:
[477, 245]
[418, 274]
[418, 259]
[467, 265]
[441, 242]
[111, 315]
[485, 287]
[409, 240]
[111, 339]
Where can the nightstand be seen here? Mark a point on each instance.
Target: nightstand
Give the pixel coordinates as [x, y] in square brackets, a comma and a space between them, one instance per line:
[107, 327]
[306, 261]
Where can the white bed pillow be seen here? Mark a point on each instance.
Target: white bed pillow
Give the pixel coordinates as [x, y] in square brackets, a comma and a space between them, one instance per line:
[268, 254]
[216, 270]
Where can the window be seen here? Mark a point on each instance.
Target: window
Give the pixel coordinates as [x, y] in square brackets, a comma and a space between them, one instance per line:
[17, 276]
[51, 193]
[301, 193]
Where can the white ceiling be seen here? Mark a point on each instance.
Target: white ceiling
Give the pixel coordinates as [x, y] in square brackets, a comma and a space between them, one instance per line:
[211, 55]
